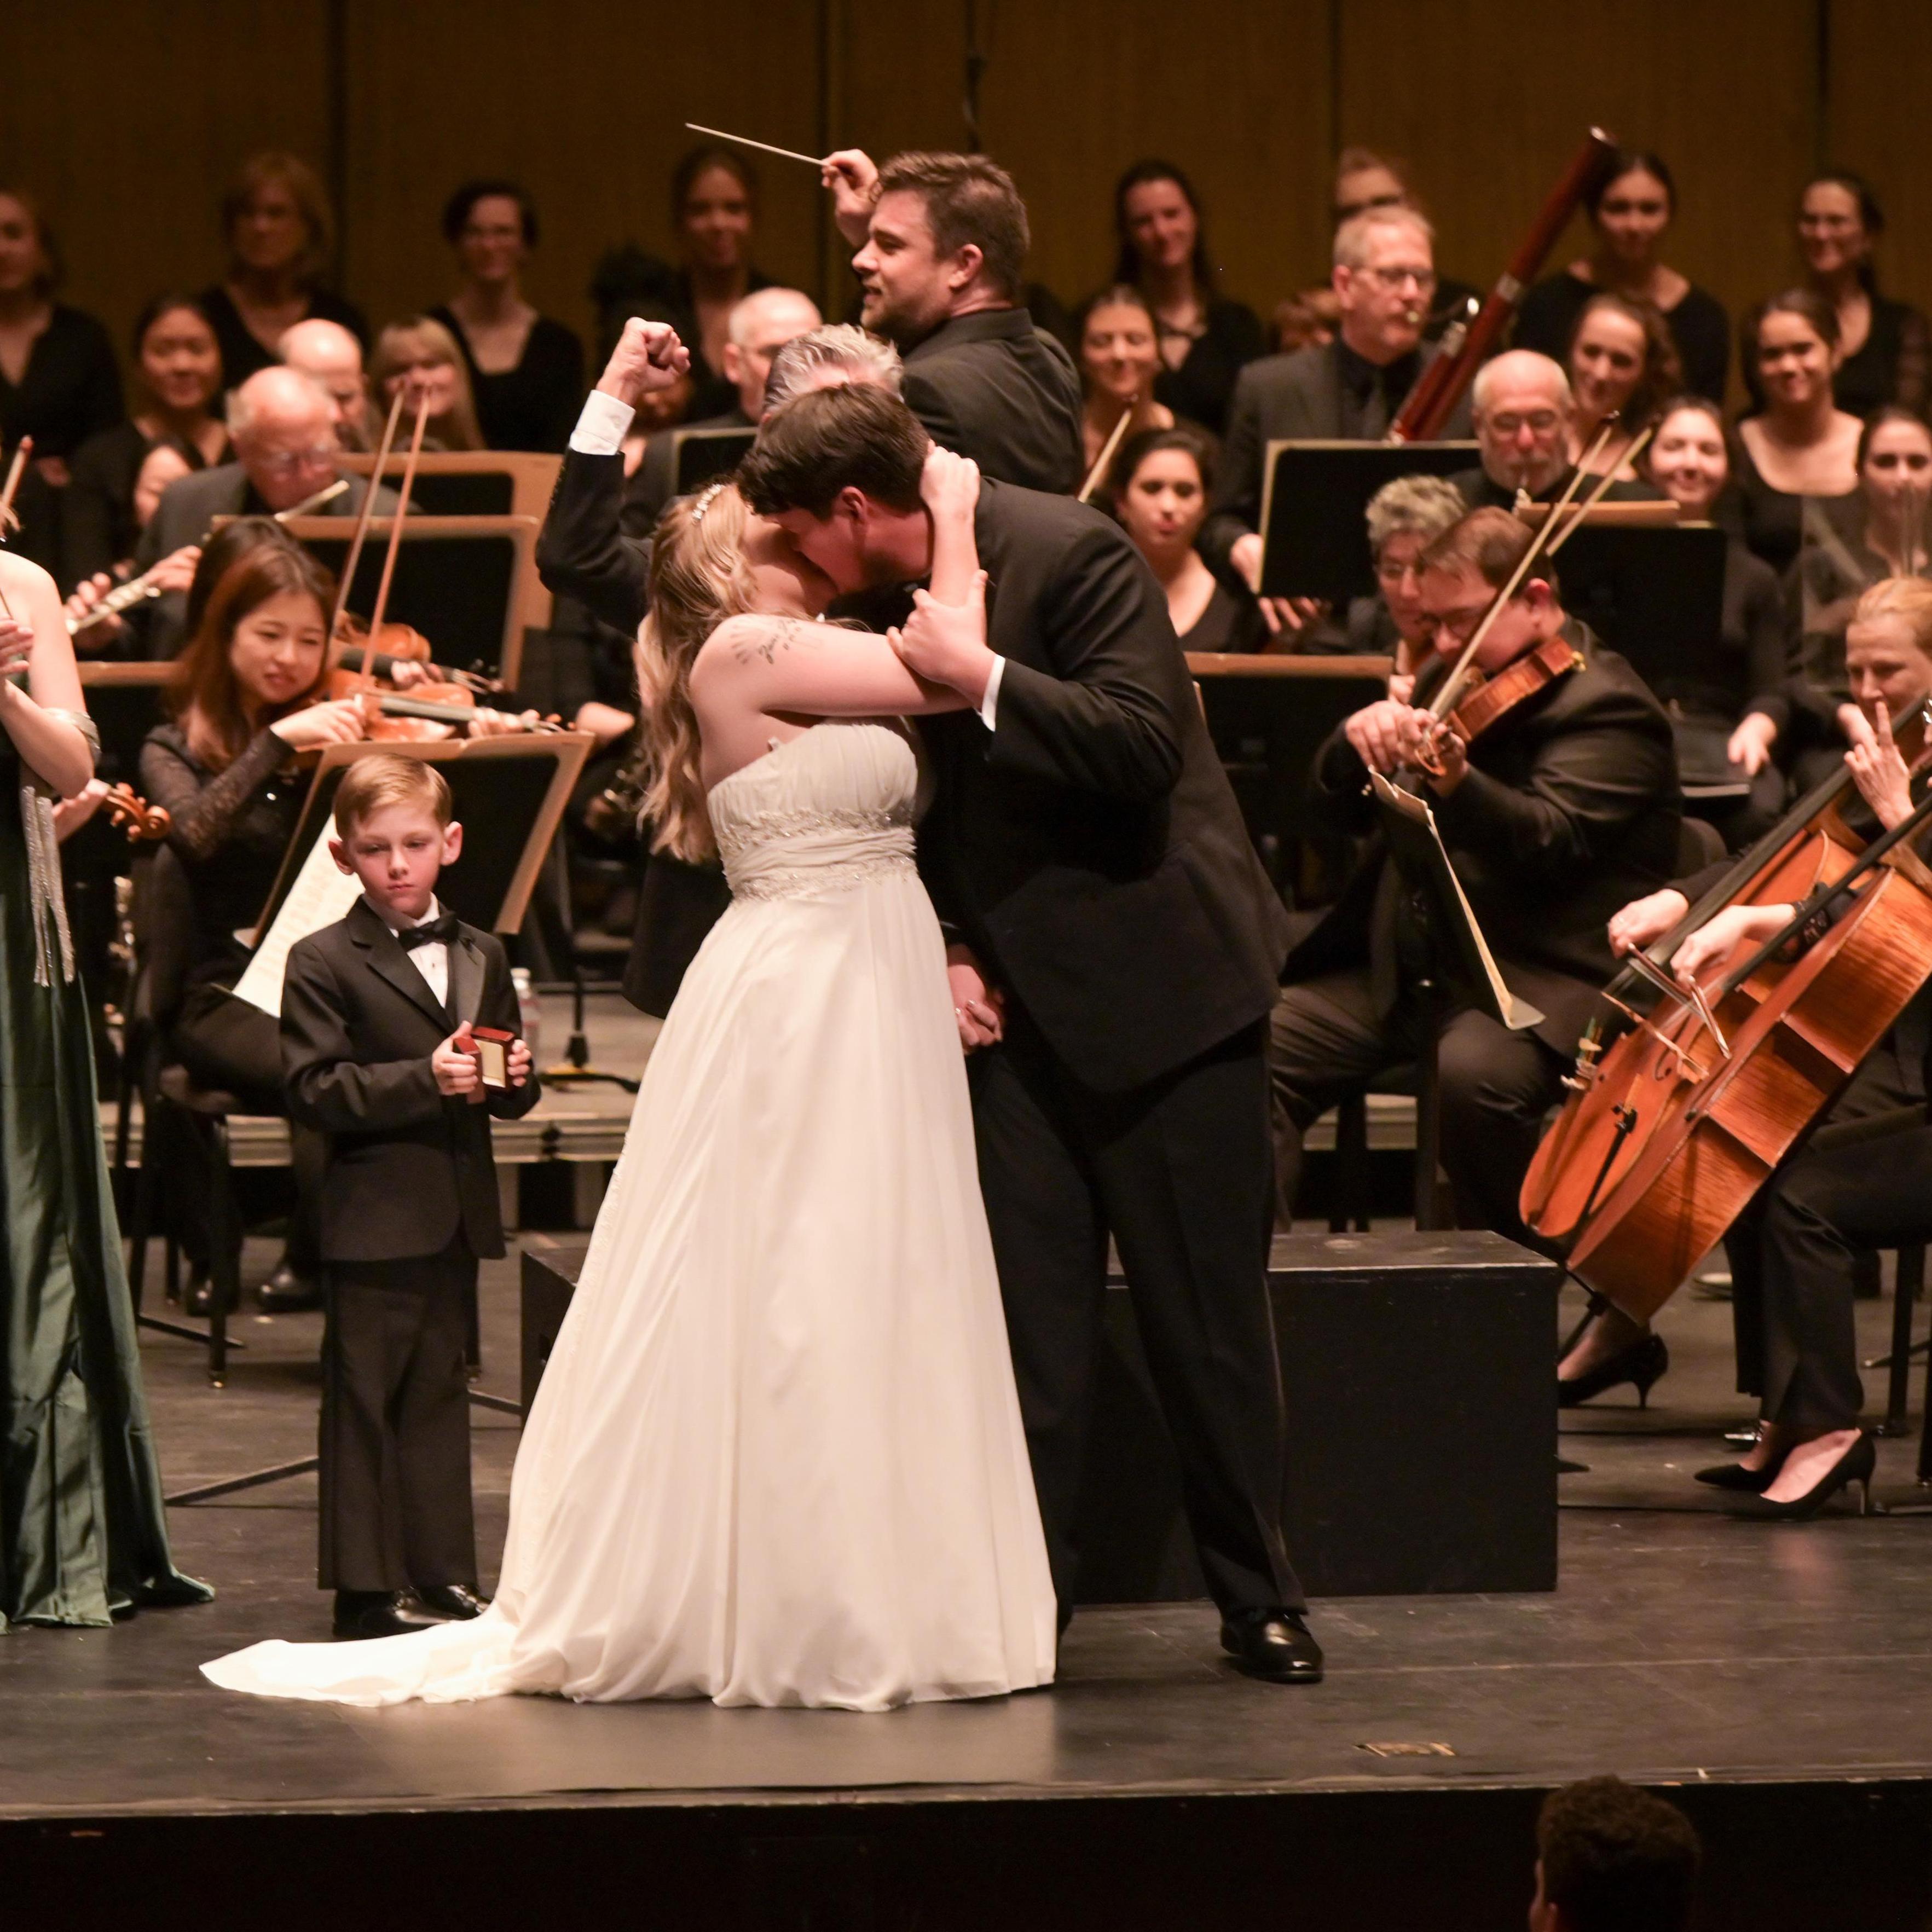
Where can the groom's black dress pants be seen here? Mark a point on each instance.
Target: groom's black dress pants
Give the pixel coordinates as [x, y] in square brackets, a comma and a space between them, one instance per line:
[1180, 1172]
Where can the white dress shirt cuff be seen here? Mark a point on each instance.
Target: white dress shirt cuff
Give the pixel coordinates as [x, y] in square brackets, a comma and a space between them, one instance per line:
[989, 705]
[602, 426]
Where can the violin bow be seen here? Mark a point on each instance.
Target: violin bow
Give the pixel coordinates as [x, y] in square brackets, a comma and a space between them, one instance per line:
[362, 516]
[1445, 699]
[368, 672]
[1581, 514]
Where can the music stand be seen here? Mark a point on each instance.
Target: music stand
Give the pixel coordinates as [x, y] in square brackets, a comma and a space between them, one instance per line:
[702, 456]
[1315, 540]
[471, 482]
[1459, 962]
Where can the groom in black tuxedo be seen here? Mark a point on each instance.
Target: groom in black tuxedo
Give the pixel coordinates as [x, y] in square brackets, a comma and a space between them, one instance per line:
[1116, 951]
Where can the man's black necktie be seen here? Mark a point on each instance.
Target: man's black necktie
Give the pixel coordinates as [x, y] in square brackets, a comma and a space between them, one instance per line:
[438, 931]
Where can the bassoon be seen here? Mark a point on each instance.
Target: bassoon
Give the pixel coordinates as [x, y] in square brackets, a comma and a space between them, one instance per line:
[1440, 387]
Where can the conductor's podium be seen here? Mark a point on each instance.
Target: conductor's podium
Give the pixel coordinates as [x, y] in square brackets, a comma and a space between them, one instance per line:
[1418, 1371]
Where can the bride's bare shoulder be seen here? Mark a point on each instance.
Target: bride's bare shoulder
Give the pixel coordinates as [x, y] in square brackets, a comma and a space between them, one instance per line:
[744, 643]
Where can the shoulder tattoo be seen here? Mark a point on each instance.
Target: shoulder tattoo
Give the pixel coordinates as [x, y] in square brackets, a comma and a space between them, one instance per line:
[766, 643]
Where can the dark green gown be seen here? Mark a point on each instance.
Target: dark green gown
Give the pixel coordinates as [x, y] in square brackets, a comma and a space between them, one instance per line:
[83, 1533]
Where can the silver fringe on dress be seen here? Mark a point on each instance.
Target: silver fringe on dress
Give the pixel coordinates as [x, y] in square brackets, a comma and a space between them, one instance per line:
[44, 872]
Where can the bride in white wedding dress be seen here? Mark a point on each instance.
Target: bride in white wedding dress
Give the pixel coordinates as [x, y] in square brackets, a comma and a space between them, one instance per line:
[776, 1456]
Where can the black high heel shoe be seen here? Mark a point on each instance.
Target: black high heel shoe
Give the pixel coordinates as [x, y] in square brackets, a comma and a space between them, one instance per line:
[1642, 1363]
[1858, 1464]
[1734, 1477]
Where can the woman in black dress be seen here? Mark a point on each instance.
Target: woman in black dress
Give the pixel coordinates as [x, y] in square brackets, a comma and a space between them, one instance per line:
[1115, 330]
[1160, 484]
[1728, 702]
[1205, 340]
[178, 377]
[1622, 363]
[281, 234]
[526, 370]
[58, 382]
[1886, 348]
[245, 700]
[1801, 444]
[423, 354]
[1880, 532]
[1629, 213]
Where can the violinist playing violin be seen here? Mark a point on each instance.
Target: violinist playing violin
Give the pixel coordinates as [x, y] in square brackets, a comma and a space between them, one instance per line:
[1555, 811]
[1862, 1181]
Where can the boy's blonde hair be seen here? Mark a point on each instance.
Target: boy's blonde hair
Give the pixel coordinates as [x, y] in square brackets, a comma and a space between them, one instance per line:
[383, 778]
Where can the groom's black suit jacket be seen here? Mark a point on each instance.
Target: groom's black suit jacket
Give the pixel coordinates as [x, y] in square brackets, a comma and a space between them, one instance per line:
[1089, 847]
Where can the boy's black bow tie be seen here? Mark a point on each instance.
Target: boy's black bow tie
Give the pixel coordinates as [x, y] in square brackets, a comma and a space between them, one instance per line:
[438, 931]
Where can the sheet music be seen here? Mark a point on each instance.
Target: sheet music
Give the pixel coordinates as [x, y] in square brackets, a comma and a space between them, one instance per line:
[320, 894]
[1517, 1015]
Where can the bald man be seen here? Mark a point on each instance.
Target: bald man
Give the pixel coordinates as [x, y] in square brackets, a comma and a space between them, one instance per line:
[756, 328]
[331, 358]
[283, 426]
[1524, 418]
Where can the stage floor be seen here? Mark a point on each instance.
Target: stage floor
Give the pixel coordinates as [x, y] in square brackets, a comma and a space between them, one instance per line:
[1682, 1645]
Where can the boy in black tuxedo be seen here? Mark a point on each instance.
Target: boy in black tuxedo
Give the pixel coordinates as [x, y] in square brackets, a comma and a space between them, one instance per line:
[379, 1052]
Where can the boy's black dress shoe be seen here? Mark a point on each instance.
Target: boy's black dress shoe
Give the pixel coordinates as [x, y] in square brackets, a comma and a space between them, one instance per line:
[456, 1601]
[1274, 1644]
[365, 1613]
[287, 1291]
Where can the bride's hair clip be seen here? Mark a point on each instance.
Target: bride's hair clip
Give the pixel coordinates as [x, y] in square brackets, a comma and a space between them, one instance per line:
[704, 503]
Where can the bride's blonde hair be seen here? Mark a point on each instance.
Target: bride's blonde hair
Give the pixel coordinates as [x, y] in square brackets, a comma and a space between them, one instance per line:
[699, 577]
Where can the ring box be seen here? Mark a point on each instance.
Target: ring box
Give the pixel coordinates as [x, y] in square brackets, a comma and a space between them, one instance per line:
[493, 1051]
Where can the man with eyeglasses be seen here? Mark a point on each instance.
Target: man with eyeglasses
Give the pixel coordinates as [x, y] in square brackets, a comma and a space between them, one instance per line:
[1349, 389]
[282, 424]
[1524, 417]
[1550, 816]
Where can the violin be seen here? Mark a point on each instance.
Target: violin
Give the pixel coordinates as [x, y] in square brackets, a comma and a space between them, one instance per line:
[429, 710]
[1493, 698]
[144, 824]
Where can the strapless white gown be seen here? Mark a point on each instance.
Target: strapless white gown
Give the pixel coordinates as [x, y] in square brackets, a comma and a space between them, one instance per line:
[776, 1458]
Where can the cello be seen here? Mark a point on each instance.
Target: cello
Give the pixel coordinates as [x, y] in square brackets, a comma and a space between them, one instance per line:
[1675, 1122]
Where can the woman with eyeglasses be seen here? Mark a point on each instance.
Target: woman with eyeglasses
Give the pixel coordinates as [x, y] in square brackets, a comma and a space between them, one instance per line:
[1629, 211]
[1885, 346]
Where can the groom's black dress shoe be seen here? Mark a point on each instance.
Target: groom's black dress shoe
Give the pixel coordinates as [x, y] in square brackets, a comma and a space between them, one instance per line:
[1272, 1643]
[452, 1599]
[363, 1613]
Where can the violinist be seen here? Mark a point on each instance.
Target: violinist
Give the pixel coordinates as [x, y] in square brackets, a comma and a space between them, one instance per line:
[1553, 815]
[1888, 654]
[246, 698]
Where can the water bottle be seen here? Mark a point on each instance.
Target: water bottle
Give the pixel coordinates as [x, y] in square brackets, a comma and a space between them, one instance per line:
[530, 1012]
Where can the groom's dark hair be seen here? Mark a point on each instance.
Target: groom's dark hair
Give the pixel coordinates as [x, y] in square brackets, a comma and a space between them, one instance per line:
[858, 436]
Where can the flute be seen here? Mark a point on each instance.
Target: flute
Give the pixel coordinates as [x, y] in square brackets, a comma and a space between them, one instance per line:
[138, 590]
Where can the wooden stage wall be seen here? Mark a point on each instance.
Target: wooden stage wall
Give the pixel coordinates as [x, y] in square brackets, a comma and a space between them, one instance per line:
[125, 117]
